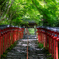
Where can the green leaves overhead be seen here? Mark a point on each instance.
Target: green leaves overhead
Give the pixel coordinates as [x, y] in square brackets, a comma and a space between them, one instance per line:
[15, 11]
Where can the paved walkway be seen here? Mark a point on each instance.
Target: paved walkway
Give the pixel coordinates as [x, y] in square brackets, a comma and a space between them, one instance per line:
[20, 50]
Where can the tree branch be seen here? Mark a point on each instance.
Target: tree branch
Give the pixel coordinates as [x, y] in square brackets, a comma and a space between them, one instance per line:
[7, 11]
[39, 10]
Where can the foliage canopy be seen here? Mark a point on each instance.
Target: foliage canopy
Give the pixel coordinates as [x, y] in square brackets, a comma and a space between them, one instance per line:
[15, 12]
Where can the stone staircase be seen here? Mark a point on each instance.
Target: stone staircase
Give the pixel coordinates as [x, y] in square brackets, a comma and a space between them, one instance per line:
[30, 37]
[20, 50]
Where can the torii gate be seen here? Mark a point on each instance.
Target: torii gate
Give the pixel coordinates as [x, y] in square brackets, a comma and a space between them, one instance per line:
[31, 24]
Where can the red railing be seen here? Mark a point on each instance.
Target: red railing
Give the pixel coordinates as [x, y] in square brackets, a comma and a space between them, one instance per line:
[49, 37]
[8, 36]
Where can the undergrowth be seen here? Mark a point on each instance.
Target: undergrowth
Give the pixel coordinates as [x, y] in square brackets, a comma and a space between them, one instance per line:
[45, 50]
[9, 49]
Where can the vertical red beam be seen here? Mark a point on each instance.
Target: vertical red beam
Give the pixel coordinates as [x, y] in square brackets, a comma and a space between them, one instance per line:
[38, 37]
[22, 32]
[17, 34]
[4, 40]
[0, 43]
[7, 35]
[52, 44]
[0, 47]
[38, 32]
[49, 45]
[41, 36]
[56, 49]
[13, 36]
[46, 41]
[51, 41]
[9, 38]
[52, 47]
[46, 37]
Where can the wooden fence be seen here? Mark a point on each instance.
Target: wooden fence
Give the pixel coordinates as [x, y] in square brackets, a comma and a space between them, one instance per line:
[49, 36]
[8, 35]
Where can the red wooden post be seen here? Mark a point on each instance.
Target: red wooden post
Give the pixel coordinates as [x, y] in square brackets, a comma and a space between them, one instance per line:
[41, 35]
[13, 37]
[5, 35]
[56, 49]
[38, 37]
[0, 46]
[46, 40]
[52, 42]
[20, 34]
[4, 42]
[52, 47]
[57, 39]
[44, 37]
[9, 36]
[49, 45]
[0, 43]
[17, 33]
[38, 34]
